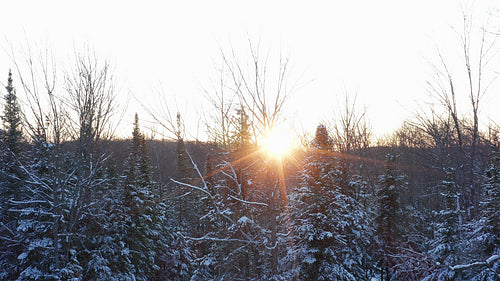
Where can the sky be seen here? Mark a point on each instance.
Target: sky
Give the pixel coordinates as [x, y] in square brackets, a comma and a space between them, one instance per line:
[380, 51]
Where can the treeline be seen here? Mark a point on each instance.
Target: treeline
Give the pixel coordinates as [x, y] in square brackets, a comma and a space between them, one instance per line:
[423, 204]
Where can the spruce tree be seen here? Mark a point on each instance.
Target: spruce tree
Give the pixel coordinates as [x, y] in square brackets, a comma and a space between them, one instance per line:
[12, 118]
[10, 180]
[184, 171]
[386, 220]
[332, 228]
[139, 228]
[491, 205]
[489, 225]
[11, 145]
[186, 217]
[445, 243]
[447, 232]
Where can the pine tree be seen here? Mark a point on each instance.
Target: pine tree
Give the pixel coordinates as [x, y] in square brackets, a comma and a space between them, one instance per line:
[489, 225]
[241, 149]
[138, 230]
[241, 135]
[491, 205]
[185, 217]
[446, 241]
[12, 118]
[184, 171]
[175, 260]
[447, 232]
[320, 168]
[386, 220]
[332, 228]
[11, 144]
[11, 180]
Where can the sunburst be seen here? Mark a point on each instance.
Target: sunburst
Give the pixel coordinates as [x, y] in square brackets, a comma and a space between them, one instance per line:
[277, 142]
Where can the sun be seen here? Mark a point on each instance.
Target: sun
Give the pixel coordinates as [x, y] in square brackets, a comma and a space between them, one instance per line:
[277, 142]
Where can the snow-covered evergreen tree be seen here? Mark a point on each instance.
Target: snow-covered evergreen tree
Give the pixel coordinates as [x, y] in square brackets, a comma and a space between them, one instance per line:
[484, 251]
[445, 245]
[139, 229]
[12, 119]
[175, 260]
[186, 217]
[491, 207]
[44, 206]
[386, 220]
[447, 227]
[235, 233]
[332, 228]
[10, 179]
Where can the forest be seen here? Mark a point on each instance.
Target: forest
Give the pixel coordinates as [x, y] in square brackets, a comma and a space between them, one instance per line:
[78, 201]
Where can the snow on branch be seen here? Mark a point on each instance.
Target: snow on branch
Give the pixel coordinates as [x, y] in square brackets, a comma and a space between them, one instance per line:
[8, 229]
[198, 172]
[192, 186]
[488, 262]
[8, 239]
[248, 202]
[206, 238]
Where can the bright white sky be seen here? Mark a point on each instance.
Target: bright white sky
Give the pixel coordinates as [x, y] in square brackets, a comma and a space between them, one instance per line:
[379, 49]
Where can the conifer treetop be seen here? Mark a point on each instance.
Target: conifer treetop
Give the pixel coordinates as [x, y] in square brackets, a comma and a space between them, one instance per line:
[322, 140]
[9, 86]
[12, 117]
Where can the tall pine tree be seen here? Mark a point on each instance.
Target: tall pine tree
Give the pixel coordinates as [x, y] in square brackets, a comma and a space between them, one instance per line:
[491, 206]
[332, 228]
[489, 234]
[11, 144]
[139, 227]
[12, 119]
[386, 220]
[10, 179]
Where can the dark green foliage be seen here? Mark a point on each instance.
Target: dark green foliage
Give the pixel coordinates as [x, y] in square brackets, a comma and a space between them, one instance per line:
[11, 181]
[333, 229]
[386, 219]
[49, 244]
[485, 233]
[491, 204]
[184, 170]
[137, 168]
[69, 213]
[388, 196]
[319, 167]
[139, 216]
[10, 146]
[12, 119]
[185, 173]
[174, 261]
[445, 245]
[449, 227]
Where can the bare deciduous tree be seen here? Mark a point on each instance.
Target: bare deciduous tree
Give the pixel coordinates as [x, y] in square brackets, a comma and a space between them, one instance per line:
[351, 129]
[220, 125]
[261, 89]
[91, 98]
[62, 185]
[46, 116]
[477, 51]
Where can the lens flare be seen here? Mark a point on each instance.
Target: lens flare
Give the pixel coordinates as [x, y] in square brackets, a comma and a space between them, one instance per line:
[277, 142]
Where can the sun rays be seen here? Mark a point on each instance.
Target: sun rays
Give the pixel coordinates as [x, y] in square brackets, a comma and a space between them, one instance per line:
[277, 143]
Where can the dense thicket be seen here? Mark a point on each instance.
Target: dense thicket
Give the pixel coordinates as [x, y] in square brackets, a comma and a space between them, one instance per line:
[322, 230]
[76, 204]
